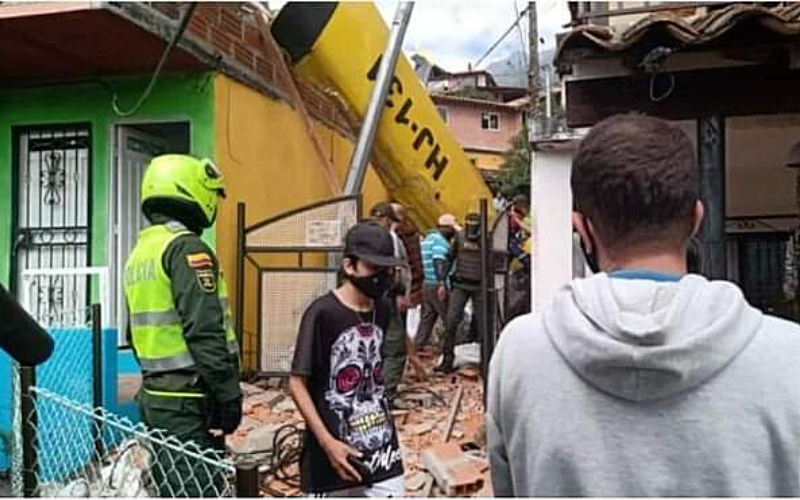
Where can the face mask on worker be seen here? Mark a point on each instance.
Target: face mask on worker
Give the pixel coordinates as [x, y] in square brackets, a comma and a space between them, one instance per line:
[472, 230]
[590, 258]
[373, 286]
[447, 232]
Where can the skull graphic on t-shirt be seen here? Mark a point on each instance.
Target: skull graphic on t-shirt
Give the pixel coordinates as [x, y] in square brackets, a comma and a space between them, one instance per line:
[356, 390]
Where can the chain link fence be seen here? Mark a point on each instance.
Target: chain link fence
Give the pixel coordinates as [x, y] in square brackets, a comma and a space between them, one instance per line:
[65, 444]
[82, 451]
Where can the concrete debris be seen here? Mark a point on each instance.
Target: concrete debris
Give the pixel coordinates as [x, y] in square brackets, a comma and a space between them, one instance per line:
[455, 473]
[487, 491]
[417, 481]
[400, 417]
[269, 398]
[467, 354]
[420, 399]
[285, 405]
[419, 429]
[250, 389]
[257, 440]
[123, 475]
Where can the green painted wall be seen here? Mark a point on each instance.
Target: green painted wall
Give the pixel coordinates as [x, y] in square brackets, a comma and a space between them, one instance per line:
[175, 97]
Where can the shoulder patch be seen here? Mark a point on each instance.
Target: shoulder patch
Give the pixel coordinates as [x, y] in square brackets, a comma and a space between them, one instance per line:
[199, 260]
[206, 280]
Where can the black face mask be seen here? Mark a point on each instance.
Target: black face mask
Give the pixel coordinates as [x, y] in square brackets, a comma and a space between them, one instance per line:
[447, 232]
[473, 231]
[590, 258]
[374, 286]
[694, 257]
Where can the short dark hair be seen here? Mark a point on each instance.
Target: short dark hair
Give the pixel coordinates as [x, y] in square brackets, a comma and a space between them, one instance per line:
[382, 209]
[636, 179]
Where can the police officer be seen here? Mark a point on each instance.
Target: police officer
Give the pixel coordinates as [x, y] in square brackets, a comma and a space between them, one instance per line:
[180, 324]
[466, 283]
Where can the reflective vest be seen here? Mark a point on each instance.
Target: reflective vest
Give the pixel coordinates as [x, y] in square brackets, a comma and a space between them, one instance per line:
[156, 328]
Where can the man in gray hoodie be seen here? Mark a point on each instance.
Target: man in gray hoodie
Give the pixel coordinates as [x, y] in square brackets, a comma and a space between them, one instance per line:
[642, 379]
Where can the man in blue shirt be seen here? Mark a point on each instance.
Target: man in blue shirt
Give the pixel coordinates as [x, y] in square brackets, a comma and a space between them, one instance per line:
[436, 266]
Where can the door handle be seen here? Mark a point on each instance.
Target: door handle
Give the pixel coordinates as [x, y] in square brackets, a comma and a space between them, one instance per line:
[23, 240]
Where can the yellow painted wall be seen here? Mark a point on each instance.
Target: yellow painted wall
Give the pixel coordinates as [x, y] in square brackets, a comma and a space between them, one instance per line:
[270, 164]
[486, 161]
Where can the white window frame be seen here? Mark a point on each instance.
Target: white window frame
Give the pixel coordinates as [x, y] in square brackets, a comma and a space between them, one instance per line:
[488, 116]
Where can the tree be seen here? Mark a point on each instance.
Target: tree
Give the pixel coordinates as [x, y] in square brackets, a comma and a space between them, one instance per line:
[515, 174]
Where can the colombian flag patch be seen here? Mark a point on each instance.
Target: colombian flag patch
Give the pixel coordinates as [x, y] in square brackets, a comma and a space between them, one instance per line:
[199, 260]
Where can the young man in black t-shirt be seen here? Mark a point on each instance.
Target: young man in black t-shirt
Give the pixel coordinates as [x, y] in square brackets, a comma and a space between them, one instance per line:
[351, 446]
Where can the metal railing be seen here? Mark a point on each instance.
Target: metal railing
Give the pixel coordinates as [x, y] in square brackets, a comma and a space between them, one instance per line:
[64, 443]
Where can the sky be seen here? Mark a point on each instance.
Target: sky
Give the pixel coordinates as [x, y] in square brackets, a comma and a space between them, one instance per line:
[454, 33]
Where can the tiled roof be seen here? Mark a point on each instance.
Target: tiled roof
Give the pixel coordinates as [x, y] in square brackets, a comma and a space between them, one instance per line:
[443, 98]
[725, 25]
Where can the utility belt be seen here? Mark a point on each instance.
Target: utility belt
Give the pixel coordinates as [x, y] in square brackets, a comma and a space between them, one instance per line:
[174, 385]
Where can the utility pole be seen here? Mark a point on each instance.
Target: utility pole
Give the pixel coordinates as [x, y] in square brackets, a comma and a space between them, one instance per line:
[533, 68]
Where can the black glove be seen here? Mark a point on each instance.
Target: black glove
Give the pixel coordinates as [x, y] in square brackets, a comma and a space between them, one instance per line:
[228, 415]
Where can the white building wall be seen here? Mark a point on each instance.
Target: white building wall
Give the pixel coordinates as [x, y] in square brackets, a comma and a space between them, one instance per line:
[552, 223]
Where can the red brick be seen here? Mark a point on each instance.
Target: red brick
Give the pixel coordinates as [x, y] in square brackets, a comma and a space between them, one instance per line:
[266, 69]
[456, 474]
[465, 478]
[199, 28]
[446, 451]
[245, 56]
[231, 24]
[252, 37]
[221, 40]
[207, 12]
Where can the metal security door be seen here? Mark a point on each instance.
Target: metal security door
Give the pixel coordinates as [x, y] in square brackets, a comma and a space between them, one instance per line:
[135, 149]
[52, 178]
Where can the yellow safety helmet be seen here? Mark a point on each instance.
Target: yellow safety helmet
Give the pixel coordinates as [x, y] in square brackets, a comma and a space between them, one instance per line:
[183, 179]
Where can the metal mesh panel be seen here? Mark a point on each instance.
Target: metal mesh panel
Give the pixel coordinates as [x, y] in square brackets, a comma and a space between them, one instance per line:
[285, 296]
[70, 370]
[323, 226]
[762, 264]
[94, 453]
[16, 434]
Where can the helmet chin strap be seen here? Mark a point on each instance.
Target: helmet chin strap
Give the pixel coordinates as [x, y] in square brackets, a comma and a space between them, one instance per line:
[188, 215]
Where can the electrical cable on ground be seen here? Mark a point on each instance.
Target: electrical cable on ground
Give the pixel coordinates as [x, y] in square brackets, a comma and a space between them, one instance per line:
[136, 107]
[285, 451]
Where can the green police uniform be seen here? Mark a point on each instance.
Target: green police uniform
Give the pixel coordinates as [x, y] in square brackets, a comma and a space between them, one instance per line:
[180, 330]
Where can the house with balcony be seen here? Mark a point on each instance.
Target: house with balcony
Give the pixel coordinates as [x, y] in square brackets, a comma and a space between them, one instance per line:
[728, 74]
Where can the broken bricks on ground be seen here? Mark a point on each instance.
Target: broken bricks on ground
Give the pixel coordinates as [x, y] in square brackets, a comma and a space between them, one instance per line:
[435, 464]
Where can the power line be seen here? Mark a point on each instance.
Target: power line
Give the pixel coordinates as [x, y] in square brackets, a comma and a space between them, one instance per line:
[495, 44]
[519, 32]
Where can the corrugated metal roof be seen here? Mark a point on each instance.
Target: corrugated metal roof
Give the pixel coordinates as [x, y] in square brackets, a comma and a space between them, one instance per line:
[671, 30]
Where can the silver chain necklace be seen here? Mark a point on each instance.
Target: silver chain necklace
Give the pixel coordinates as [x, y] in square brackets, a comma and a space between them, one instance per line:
[361, 318]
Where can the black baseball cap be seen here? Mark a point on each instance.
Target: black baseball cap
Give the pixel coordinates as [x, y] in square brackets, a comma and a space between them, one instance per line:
[372, 243]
